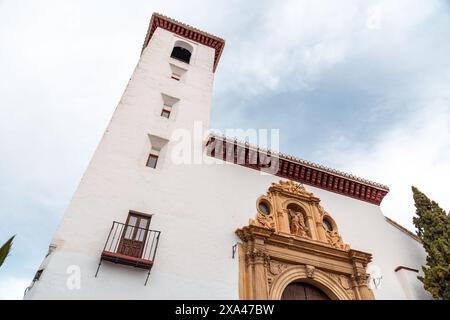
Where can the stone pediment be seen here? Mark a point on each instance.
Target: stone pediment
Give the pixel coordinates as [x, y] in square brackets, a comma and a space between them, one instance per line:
[292, 189]
[289, 209]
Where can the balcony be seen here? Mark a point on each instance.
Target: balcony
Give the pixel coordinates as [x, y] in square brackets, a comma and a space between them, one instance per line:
[130, 245]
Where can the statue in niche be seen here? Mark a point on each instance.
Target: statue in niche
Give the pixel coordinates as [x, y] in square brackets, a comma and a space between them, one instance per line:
[298, 225]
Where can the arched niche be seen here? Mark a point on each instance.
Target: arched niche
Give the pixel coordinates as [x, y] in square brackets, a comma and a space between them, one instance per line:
[299, 220]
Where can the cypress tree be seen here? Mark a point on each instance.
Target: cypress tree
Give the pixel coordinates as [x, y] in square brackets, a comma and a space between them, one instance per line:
[433, 227]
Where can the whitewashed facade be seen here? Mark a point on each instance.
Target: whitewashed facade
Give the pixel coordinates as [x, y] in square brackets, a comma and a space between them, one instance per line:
[197, 207]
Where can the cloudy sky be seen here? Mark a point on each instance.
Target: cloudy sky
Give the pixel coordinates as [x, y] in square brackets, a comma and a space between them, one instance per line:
[361, 86]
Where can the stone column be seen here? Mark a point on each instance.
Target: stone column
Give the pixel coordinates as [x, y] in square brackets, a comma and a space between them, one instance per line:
[311, 222]
[283, 221]
[260, 279]
[257, 258]
[360, 276]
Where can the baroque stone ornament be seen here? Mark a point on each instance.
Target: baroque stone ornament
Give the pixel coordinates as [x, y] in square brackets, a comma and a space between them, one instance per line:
[256, 256]
[335, 240]
[322, 211]
[289, 186]
[360, 278]
[310, 271]
[266, 222]
[344, 282]
[297, 212]
[276, 267]
[289, 240]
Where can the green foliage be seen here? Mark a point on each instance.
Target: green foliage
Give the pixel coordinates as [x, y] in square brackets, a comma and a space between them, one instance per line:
[433, 227]
[5, 249]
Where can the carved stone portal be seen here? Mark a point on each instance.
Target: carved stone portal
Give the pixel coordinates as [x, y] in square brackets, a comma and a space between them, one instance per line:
[293, 238]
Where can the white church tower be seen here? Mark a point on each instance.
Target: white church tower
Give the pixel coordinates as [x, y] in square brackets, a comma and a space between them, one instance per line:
[141, 226]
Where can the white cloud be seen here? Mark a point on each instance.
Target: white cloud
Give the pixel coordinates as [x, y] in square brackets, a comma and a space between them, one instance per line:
[64, 65]
[415, 152]
[12, 288]
[296, 42]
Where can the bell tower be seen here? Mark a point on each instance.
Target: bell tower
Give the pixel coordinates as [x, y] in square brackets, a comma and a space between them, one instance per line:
[122, 209]
[174, 76]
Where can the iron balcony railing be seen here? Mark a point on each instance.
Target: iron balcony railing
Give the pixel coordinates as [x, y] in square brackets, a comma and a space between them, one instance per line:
[130, 245]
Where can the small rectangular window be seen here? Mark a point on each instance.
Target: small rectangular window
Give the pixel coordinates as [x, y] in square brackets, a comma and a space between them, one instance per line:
[166, 112]
[152, 161]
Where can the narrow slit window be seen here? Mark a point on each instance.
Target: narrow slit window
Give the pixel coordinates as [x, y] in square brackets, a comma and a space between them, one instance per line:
[168, 109]
[177, 72]
[152, 161]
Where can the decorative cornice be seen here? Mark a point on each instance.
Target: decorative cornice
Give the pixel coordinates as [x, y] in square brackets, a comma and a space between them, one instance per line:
[300, 170]
[360, 256]
[249, 233]
[187, 32]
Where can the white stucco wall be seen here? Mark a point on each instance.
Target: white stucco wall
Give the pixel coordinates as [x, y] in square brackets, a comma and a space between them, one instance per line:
[196, 207]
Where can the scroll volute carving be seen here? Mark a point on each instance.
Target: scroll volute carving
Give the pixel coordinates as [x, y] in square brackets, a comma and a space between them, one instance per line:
[288, 208]
[329, 230]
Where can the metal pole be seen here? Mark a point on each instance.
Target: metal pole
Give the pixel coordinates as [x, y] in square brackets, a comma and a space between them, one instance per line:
[98, 268]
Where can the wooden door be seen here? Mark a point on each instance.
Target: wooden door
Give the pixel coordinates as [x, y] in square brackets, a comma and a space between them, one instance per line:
[134, 235]
[303, 291]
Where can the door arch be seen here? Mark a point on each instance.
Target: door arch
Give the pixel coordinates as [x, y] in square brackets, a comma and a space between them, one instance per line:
[303, 291]
[314, 277]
